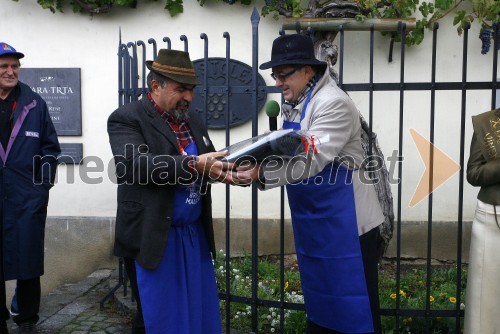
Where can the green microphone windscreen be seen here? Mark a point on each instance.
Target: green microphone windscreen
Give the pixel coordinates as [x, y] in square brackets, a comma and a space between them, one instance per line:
[272, 108]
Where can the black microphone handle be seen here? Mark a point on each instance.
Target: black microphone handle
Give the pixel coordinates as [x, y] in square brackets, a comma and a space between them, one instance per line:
[273, 123]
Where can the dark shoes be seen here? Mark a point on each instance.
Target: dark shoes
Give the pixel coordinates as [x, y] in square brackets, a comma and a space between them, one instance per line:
[3, 328]
[137, 330]
[27, 328]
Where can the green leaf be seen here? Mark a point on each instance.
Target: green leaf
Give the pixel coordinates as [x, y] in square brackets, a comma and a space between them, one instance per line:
[174, 7]
[360, 18]
[418, 35]
[126, 3]
[46, 4]
[459, 16]
[443, 4]
[424, 9]
[493, 12]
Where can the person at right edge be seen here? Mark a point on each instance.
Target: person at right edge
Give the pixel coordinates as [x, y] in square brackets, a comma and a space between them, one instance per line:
[335, 216]
[483, 170]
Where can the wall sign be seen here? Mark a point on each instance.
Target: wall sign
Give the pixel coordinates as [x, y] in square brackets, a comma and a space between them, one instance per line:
[239, 102]
[61, 89]
[71, 153]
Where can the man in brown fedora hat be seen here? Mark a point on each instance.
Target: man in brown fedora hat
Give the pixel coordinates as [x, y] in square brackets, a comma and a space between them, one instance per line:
[164, 156]
[334, 215]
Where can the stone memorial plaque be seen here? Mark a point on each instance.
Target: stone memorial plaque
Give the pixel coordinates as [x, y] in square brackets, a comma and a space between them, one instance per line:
[61, 89]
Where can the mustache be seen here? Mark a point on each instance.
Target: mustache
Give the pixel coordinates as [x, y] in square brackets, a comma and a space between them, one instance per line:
[182, 104]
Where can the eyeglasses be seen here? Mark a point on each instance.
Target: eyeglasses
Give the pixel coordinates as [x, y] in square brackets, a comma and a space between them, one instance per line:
[283, 77]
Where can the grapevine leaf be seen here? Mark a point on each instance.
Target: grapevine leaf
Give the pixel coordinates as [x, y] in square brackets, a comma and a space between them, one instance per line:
[174, 7]
[443, 4]
[459, 16]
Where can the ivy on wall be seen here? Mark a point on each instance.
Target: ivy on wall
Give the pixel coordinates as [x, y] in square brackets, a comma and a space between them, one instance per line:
[485, 12]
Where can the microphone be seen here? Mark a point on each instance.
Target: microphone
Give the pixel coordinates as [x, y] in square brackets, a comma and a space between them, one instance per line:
[272, 111]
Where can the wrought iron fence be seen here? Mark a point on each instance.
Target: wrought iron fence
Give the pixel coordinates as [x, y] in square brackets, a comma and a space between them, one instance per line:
[131, 86]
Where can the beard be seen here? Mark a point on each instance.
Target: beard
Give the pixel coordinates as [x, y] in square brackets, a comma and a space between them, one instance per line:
[181, 116]
[181, 111]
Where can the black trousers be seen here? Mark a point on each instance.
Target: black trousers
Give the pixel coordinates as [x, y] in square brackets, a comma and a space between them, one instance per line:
[28, 294]
[138, 321]
[369, 251]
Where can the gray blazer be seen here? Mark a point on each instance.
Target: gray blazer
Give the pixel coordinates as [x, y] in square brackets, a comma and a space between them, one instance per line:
[148, 167]
[333, 116]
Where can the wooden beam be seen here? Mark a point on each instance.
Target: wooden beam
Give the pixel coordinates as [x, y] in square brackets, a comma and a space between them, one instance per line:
[328, 24]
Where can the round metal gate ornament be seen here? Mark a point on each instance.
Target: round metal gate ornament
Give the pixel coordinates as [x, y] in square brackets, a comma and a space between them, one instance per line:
[239, 98]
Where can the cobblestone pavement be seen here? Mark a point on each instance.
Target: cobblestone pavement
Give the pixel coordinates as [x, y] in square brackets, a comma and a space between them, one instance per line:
[76, 309]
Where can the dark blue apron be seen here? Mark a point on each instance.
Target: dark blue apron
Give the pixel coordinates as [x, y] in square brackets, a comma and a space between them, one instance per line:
[328, 249]
[180, 296]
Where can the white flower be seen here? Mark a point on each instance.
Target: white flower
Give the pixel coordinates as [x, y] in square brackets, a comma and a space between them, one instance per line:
[462, 306]
[272, 330]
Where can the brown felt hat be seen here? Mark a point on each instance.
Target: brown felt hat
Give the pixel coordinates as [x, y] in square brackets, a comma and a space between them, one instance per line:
[175, 65]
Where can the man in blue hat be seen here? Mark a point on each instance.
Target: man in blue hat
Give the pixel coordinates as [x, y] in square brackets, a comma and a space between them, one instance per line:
[28, 153]
[335, 216]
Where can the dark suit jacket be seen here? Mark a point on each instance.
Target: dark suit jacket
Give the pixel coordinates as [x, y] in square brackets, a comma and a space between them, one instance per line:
[148, 167]
[483, 170]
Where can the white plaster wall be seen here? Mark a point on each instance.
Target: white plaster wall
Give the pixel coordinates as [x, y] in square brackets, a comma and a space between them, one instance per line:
[90, 43]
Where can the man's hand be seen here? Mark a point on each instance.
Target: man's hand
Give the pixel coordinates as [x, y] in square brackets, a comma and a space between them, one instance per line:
[246, 173]
[209, 165]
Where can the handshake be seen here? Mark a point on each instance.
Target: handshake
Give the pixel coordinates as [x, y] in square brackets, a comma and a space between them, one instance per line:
[216, 169]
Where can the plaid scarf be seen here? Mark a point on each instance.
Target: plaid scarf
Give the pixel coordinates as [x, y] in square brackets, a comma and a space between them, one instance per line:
[288, 106]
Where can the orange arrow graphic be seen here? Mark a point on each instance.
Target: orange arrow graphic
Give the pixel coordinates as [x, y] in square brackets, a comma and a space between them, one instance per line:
[442, 166]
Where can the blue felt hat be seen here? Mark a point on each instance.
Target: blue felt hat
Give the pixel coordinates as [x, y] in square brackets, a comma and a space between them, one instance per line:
[7, 50]
[292, 49]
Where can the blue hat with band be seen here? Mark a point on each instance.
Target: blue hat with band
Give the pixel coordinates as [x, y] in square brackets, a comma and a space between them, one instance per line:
[7, 50]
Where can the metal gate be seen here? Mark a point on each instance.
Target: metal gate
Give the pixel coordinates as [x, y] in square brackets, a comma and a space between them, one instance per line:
[131, 88]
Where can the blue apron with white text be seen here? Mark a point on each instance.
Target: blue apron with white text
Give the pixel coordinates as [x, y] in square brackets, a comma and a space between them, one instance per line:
[328, 248]
[180, 296]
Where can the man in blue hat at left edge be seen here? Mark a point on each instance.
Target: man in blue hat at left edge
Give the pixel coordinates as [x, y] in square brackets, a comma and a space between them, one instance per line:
[28, 154]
